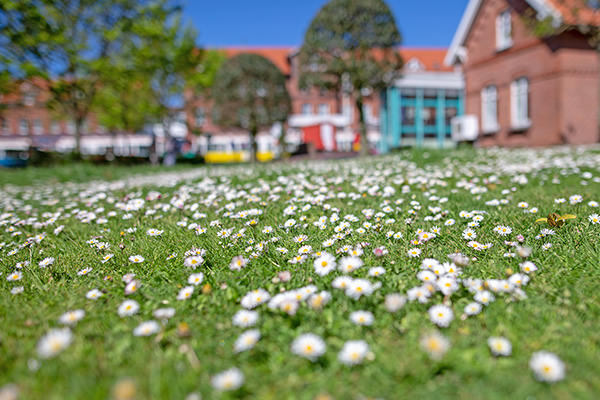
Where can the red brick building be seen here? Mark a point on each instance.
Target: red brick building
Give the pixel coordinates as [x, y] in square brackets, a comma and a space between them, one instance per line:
[314, 110]
[526, 90]
[26, 121]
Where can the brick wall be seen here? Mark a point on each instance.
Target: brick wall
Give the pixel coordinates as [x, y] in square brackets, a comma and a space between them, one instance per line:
[562, 73]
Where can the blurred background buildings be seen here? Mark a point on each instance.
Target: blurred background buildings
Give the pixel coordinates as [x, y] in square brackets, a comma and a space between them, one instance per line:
[517, 73]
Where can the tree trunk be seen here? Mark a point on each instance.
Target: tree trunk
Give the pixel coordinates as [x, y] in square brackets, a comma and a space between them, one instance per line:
[364, 143]
[598, 111]
[153, 151]
[78, 126]
[110, 151]
[253, 149]
[170, 157]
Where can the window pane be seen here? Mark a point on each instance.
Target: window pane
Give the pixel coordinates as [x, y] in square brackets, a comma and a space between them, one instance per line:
[408, 115]
[450, 113]
[429, 116]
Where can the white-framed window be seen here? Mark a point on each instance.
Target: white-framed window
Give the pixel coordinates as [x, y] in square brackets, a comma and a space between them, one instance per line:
[519, 103]
[29, 98]
[306, 109]
[323, 109]
[200, 116]
[71, 127]
[23, 127]
[489, 109]
[347, 111]
[38, 128]
[503, 31]
[3, 126]
[55, 128]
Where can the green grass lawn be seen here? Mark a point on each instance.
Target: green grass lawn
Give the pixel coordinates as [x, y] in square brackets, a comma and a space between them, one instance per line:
[226, 211]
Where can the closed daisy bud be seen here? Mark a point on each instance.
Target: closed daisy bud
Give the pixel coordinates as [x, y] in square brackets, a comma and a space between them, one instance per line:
[125, 389]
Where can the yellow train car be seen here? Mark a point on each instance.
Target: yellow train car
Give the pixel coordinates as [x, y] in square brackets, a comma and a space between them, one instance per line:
[225, 152]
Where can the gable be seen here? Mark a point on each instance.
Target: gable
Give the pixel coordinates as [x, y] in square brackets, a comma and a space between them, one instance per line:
[456, 52]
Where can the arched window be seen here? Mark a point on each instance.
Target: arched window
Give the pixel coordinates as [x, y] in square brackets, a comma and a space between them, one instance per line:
[519, 103]
[489, 109]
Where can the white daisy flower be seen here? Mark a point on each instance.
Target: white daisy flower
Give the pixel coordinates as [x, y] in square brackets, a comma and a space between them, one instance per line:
[55, 341]
[309, 345]
[362, 318]
[15, 276]
[473, 308]
[547, 367]
[435, 344]
[136, 259]
[71, 317]
[185, 293]
[230, 379]
[499, 346]
[353, 352]
[128, 308]
[94, 294]
[193, 261]
[164, 313]
[441, 315]
[324, 264]
[246, 340]
[146, 328]
[196, 279]
[394, 302]
[46, 262]
[245, 318]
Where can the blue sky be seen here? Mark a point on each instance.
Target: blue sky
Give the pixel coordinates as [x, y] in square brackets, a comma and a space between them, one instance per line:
[423, 23]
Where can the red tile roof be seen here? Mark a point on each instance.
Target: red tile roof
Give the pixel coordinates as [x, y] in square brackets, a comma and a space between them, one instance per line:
[277, 55]
[576, 12]
[431, 58]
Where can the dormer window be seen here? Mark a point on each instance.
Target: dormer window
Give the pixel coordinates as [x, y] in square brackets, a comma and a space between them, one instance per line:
[503, 31]
[29, 98]
[414, 65]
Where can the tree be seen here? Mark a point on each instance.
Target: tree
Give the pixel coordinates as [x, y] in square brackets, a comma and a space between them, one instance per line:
[351, 47]
[72, 44]
[250, 93]
[200, 81]
[169, 60]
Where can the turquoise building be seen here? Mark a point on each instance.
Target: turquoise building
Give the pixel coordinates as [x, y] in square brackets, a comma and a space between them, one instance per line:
[418, 108]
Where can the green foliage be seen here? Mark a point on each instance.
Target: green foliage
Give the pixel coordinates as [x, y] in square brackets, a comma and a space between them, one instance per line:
[250, 94]
[81, 48]
[351, 46]
[356, 38]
